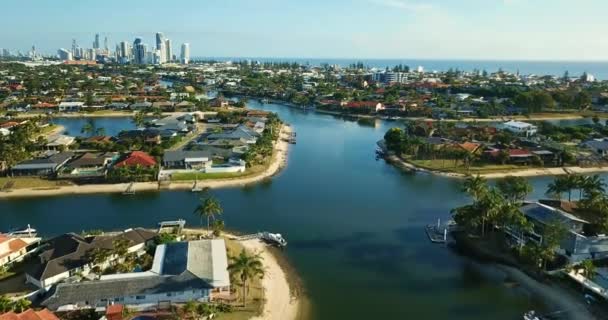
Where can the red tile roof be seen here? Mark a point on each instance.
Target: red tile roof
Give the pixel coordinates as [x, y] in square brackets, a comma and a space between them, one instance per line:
[137, 158]
[30, 314]
[362, 104]
[114, 312]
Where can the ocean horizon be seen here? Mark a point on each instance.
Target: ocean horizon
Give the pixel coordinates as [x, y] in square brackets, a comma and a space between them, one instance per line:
[599, 69]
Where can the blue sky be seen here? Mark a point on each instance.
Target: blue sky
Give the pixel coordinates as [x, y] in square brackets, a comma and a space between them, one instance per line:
[427, 29]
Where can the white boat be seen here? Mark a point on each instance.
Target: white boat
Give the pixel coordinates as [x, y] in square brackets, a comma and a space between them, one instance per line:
[28, 232]
[531, 315]
[274, 238]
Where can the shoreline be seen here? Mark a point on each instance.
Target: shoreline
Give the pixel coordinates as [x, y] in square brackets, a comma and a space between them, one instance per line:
[529, 172]
[278, 162]
[280, 303]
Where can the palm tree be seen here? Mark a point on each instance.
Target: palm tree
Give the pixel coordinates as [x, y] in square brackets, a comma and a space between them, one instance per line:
[515, 189]
[592, 184]
[120, 247]
[246, 267]
[100, 131]
[557, 188]
[87, 129]
[98, 256]
[139, 119]
[218, 227]
[588, 268]
[208, 208]
[6, 304]
[21, 305]
[475, 186]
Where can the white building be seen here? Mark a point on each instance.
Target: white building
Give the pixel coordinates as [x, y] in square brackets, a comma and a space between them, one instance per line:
[185, 55]
[520, 128]
[64, 54]
[14, 249]
[181, 272]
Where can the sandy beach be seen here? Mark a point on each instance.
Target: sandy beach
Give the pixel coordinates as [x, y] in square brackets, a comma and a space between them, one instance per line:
[280, 304]
[278, 162]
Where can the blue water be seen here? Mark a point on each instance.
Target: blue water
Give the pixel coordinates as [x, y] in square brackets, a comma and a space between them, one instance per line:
[355, 227]
[111, 125]
[557, 68]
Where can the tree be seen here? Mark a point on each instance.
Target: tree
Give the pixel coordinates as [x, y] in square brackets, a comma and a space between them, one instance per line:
[552, 235]
[88, 127]
[100, 131]
[246, 267]
[120, 247]
[515, 189]
[139, 119]
[393, 139]
[475, 186]
[218, 227]
[563, 184]
[208, 208]
[592, 184]
[21, 305]
[6, 304]
[588, 268]
[98, 256]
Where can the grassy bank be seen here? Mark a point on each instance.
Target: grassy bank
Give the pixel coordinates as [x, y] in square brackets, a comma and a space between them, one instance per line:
[29, 183]
[448, 166]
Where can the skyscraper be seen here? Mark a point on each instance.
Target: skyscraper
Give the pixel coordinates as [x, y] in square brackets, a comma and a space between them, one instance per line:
[96, 42]
[74, 47]
[160, 46]
[185, 56]
[64, 54]
[139, 51]
[105, 44]
[169, 50]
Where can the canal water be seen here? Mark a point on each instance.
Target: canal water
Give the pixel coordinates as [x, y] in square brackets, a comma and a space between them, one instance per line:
[354, 226]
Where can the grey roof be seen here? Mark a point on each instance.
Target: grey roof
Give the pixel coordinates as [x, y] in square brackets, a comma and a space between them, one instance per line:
[241, 132]
[50, 162]
[179, 266]
[181, 155]
[91, 291]
[69, 251]
[597, 144]
[546, 214]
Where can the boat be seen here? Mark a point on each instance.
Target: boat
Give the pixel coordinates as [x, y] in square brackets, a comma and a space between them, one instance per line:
[273, 238]
[27, 232]
[436, 233]
[531, 315]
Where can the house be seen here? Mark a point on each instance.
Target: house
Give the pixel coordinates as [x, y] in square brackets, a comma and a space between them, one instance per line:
[520, 128]
[117, 106]
[29, 314]
[14, 249]
[181, 272]
[140, 105]
[241, 132]
[88, 165]
[41, 166]
[149, 136]
[59, 142]
[598, 146]
[68, 255]
[70, 106]
[370, 105]
[576, 245]
[164, 106]
[136, 158]
[181, 159]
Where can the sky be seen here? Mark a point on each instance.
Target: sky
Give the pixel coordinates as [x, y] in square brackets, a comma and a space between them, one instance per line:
[366, 29]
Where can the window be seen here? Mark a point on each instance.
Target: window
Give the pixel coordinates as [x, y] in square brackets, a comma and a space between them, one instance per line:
[169, 294]
[140, 297]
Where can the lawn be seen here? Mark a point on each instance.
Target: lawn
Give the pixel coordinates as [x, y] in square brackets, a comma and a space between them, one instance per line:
[448, 166]
[191, 176]
[27, 183]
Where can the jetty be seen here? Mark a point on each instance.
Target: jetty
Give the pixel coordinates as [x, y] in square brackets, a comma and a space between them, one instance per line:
[270, 238]
[130, 189]
[436, 233]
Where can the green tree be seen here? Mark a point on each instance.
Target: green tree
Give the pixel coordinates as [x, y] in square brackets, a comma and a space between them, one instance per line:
[515, 189]
[139, 119]
[208, 208]
[588, 268]
[475, 186]
[246, 267]
[552, 235]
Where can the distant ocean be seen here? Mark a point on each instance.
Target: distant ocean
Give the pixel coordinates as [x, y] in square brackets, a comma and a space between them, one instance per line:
[557, 68]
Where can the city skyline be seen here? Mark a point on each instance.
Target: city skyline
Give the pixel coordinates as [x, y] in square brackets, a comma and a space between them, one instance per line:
[383, 29]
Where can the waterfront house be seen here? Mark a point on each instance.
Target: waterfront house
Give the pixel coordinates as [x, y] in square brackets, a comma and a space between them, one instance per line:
[186, 160]
[88, 165]
[140, 105]
[577, 245]
[41, 166]
[520, 128]
[14, 249]
[117, 106]
[29, 314]
[241, 132]
[181, 272]
[68, 255]
[59, 142]
[136, 158]
[70, 106]
[598, 146]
